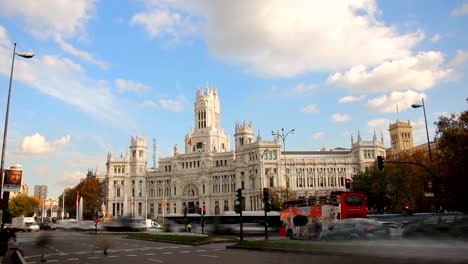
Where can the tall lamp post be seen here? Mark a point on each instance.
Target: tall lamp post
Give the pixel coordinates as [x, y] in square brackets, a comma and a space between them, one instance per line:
[6, 195]
[283, 136]
[427, 131]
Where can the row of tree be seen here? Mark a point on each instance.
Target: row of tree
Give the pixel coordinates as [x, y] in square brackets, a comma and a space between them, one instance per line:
[90, 189]
[388, 191]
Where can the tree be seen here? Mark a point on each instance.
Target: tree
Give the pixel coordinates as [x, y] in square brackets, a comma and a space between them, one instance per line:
[280, 194]
[23, 205]
[452, 145]
[91, 190]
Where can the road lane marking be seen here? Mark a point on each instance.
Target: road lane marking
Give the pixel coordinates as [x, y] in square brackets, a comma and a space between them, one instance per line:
[210, 256]
[73, 259]
[168, 253]
[202, 250]
[185, 252]
[131, 255]
[156, 260]
[93, 257]
[150, 254]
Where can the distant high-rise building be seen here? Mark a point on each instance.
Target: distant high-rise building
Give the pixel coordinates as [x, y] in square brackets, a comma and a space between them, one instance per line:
[40, 191]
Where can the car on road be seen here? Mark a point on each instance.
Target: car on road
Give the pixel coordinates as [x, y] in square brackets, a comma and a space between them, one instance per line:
[355, 228]
[442, 225]
[47, 226]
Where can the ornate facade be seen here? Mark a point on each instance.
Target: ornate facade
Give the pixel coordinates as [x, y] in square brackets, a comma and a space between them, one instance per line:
[209, 172]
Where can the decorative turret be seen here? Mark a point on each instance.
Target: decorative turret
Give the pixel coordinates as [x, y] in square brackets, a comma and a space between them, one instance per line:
[243, 134]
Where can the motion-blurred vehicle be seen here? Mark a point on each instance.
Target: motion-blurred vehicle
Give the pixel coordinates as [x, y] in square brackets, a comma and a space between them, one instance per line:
[22, 223]
[155, 227]
[47, 226]
[394, 229]
[124, 224]
[67, 224]
[355, 228]
[442, 225]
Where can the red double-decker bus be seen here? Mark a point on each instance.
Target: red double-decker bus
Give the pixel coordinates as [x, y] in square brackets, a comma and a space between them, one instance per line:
[306, 217]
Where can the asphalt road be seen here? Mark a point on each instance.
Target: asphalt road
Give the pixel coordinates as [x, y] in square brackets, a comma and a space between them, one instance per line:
[75, 247]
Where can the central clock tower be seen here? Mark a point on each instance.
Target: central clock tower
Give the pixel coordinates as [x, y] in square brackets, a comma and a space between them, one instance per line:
[207, 135]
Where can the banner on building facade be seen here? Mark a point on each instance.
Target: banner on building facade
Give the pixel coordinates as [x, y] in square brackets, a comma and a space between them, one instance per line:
[12, 181]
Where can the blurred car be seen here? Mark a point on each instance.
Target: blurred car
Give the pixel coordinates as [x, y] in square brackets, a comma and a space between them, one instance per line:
[442, 225]
[355, 228]
[394, 229]
[155, 227]
[124, 224]
[47, 226]
[67, 224]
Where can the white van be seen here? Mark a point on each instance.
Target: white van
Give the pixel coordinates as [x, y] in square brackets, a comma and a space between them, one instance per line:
[24, 224]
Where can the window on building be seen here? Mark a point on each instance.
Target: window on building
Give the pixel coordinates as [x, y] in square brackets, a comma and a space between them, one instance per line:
[140, 208]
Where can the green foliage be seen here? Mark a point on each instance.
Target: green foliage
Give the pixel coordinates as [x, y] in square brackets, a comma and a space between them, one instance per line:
[452, 144]
[278, 195]
[23, 205]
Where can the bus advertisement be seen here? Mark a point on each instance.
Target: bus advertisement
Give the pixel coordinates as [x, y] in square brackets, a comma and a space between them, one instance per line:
[306, 217]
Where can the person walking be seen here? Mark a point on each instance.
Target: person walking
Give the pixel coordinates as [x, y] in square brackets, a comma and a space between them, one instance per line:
[189, 228]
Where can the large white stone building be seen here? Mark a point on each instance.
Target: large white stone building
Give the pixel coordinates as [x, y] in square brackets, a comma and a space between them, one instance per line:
[209, 172]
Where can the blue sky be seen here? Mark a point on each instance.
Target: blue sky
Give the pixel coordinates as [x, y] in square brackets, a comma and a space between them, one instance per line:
[104, 72]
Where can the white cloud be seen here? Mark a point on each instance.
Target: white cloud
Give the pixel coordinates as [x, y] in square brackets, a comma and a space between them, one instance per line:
[37, 144]
[67, 81]
[351, 99]
[172, 105]
[340, 118]
[84, 55]
[63, 140]
[51, 17]
[159, 22]
[284, 38]
[435, 38]
[70, 178]
[303, 88]
[379, 122]
[461, 10]
[418, 72]
[318, 135]
[131, 86]
[4, 40]
[460, 58]
[150, 104]
[312, 108]
[389, 104]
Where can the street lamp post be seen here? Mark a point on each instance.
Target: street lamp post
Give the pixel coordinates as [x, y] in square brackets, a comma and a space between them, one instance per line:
[283, 136]
[6, 195]
[427, 131]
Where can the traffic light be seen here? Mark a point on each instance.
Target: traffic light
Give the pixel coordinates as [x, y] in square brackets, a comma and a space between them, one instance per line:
[199, 211]
[238, 205]
[348, 184]
[204, 210]
[380, 163]
[266, 199]
[428, 186]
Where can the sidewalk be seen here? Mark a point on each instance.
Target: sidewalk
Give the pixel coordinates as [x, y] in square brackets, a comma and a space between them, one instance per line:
[445, 251]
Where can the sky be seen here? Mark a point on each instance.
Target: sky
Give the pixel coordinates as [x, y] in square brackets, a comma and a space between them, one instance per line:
[105, 71]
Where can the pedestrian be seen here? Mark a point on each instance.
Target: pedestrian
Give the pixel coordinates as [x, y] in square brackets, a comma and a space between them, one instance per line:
[104, 242]
[189, 227]
[42, 242]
